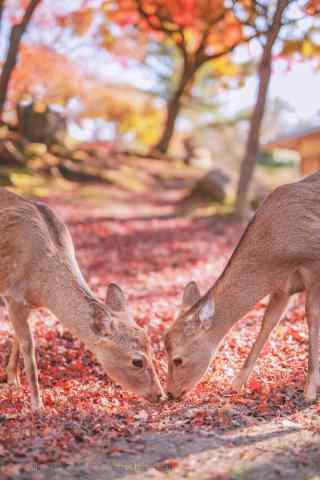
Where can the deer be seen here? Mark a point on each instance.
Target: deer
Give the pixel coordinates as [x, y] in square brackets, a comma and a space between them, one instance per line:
[38, 269]
[278, 255]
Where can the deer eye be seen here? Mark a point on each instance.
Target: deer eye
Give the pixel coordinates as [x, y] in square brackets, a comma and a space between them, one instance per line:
[177, 361]
[137, 362]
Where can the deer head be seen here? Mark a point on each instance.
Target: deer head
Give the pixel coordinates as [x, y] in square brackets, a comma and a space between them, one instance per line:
[189, 342]
[123, 348]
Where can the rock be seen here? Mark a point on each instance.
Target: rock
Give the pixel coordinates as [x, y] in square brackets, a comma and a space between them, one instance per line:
[211, 187]
[45, 126]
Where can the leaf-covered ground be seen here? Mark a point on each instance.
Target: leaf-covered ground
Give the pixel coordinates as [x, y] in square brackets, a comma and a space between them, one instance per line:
[92, 429]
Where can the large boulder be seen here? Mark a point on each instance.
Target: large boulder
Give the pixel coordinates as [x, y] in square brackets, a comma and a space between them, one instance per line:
[45, 126]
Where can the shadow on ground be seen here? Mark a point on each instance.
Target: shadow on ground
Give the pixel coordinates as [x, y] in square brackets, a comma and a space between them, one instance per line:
[267, 452]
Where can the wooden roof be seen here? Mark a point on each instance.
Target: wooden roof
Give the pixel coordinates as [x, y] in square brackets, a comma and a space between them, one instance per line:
[292, 140]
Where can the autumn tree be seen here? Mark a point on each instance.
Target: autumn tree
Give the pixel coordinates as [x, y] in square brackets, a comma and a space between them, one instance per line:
[130, 110]
[45, 77]
[267, 19]
[201, 31]
[16, 33]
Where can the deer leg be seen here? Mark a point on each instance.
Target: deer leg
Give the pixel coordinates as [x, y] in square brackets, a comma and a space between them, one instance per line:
[19, 314]
[313, 319]
[12, 367]
[278, 302]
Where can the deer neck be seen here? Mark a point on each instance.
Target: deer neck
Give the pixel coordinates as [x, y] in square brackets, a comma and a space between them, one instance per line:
[241, 286]
[70, 299]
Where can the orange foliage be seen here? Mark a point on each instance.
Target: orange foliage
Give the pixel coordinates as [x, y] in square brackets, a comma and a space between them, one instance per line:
[313, 7]
[44, 75]
[186, 21]
[80, 20]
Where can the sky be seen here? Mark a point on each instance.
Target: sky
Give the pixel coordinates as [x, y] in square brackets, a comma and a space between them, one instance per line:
[299, 87]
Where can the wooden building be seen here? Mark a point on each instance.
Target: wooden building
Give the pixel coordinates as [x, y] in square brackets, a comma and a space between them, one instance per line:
[307, 143]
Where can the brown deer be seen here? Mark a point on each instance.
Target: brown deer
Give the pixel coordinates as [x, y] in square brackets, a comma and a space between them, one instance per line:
[278, 255]
[38, 268]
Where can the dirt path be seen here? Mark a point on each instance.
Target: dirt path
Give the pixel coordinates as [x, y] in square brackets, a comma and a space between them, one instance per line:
[270, 451]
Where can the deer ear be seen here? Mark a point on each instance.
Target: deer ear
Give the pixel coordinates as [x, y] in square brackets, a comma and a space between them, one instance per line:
[191, 295]
[206, 314]
[102, 324]
[201, 320]
[115, 299]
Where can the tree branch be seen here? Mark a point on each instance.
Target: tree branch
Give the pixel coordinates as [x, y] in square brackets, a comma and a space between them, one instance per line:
[1, 11]
[168, 31]
[183, 47]
[275, 26]
[28, 13]
[159, 28]
[263, 8]
[207, 31]
[293, 21]
[206, 58]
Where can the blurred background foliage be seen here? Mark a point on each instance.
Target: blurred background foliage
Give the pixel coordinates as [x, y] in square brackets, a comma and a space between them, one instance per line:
[86, 84]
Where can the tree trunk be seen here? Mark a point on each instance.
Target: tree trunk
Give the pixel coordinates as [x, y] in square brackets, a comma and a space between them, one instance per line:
[11, 59]
[252, 145]
[173, 109]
